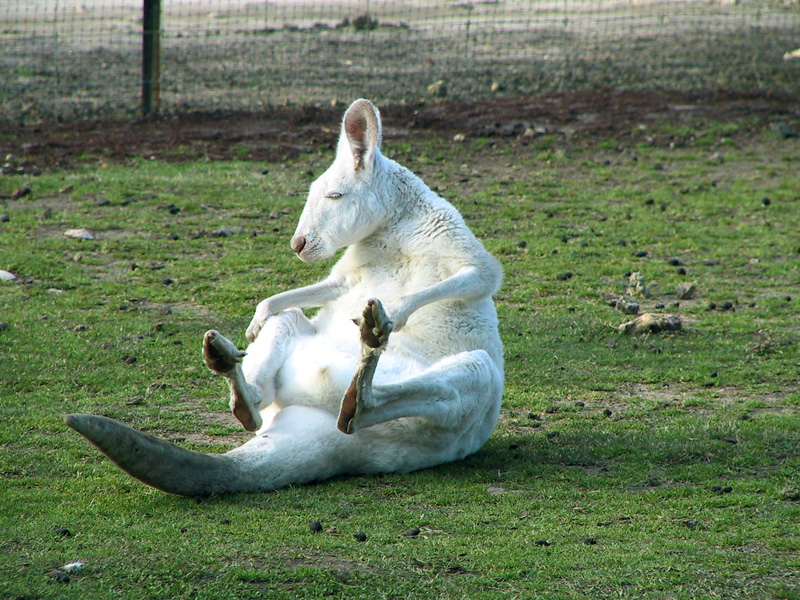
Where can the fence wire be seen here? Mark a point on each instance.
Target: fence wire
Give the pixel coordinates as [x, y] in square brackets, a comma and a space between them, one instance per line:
[81, 58]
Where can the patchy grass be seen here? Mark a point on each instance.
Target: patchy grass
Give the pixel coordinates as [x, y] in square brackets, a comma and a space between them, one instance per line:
[655, 466]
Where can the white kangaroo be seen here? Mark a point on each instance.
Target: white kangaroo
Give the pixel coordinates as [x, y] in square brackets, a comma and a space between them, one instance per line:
[418, 285]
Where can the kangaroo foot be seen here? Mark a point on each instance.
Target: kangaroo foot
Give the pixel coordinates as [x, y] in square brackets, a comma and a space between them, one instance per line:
[219, 353]
[375, 325]
[223, 357]
[375, 328]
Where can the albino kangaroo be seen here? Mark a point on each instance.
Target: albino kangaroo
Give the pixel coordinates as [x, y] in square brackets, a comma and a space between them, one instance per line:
[415, 382]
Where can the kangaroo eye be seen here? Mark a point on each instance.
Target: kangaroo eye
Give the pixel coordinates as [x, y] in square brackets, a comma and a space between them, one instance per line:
[333, 195]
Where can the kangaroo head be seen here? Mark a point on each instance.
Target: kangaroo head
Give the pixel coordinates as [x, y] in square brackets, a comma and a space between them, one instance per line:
[343, 206]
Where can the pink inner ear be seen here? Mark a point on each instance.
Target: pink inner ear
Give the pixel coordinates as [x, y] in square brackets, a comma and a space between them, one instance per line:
[355, 126]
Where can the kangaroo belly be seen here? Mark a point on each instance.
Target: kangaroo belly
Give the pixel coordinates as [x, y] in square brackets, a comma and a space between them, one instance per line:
[320, 367]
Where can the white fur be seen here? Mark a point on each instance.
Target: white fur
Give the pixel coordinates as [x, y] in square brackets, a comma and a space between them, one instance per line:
[438, 385]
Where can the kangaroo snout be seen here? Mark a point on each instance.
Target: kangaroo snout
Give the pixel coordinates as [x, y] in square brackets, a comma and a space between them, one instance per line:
[298, 243]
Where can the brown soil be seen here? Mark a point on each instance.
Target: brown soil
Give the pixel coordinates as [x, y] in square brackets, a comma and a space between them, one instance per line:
[285, 132]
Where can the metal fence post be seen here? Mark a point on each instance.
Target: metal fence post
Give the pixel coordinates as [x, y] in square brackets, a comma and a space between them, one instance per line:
[151, 57]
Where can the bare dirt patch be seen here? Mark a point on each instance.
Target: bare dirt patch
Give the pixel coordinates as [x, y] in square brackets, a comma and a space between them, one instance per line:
[282, 133]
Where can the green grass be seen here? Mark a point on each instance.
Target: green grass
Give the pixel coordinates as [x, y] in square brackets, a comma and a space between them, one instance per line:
[675, 491]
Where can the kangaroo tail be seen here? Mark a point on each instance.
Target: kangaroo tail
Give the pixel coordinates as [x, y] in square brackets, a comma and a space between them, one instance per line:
[157, 462]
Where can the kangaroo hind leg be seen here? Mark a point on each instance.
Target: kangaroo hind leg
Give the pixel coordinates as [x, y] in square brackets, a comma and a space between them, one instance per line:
[375, 328]
[224, 358]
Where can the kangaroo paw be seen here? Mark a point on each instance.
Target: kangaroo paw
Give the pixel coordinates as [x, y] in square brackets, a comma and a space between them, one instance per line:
[219, 353]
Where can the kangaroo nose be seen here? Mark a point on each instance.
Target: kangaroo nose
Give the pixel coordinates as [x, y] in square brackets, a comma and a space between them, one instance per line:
[298, 243]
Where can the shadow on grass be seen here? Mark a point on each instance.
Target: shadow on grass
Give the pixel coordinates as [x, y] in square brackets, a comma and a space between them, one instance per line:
[693, 449]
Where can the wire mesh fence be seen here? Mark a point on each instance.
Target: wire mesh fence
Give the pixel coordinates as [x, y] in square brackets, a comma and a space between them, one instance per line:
[78, 58]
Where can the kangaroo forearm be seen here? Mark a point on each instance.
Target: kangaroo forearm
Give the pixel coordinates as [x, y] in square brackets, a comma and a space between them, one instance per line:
[312, 295]
[469, 284]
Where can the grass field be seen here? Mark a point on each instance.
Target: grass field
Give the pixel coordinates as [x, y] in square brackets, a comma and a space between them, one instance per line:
[648, 466]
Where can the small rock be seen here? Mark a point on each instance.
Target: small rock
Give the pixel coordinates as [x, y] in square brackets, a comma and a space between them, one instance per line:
[73, 567]
[4, 218]
[315, 526]
[766, 201]
[224, 522]
[438, 89]
[360, 537]
[59, 576]
[522, 244]
[459, 137]
[21, 192]
[412, 532]
[791, 494]
[79, 234]
[637, 287]
[226, 231]
[651, 323]
[725, 305]
[627, 306]
[564, 276]
[103, 202]
[3, 326]
[155, 387]
[607, 412]
[782, 129]
[167, 281]
[7, 276]
[129, 359]
[685, 290]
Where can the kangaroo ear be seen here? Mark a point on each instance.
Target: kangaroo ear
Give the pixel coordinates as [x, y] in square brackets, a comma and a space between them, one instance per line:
[361, 132]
